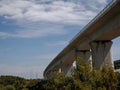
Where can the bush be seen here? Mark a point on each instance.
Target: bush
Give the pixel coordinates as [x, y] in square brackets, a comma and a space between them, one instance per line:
[84, 78]
[10, 87]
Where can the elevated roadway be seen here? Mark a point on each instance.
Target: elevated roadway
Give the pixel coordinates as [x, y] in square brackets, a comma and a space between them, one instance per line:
[95, 37]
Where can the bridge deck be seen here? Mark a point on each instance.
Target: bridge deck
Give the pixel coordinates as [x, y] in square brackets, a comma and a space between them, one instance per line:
[106, 16]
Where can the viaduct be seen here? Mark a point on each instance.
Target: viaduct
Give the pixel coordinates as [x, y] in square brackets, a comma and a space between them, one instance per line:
[93, 40]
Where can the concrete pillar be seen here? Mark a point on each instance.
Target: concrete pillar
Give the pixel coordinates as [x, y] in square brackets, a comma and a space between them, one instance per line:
[67, 69]
[101, 52]
[84, 54]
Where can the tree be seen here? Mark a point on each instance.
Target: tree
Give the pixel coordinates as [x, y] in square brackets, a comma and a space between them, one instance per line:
[84, 78]
[82, 74]
[95, 79]
[14, 81]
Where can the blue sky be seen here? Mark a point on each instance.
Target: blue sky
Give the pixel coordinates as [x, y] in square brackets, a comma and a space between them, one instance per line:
[33, 32]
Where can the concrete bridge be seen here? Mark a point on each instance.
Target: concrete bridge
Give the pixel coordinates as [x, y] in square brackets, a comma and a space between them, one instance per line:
[93, 40]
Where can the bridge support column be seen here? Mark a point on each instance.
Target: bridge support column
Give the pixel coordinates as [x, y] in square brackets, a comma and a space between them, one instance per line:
[67, 69]
[101, 53]
[84, 54]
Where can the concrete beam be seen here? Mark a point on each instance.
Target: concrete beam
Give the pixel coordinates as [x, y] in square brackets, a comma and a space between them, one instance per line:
[101, 52]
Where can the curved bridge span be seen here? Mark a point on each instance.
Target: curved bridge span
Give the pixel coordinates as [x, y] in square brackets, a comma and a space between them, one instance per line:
[93, 40]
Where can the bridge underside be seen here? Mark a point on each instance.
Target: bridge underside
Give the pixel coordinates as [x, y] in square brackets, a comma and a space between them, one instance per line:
[95, 40]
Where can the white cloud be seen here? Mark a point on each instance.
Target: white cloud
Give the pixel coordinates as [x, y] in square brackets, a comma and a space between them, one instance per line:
[4, 35]
[94, 5]
[102, 1]
[35, 32]
[54, 11]
[30, 14]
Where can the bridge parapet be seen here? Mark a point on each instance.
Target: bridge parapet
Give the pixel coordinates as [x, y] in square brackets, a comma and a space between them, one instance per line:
[107, 8]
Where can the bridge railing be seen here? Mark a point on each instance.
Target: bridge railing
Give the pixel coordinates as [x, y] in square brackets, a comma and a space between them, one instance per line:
[100, 14]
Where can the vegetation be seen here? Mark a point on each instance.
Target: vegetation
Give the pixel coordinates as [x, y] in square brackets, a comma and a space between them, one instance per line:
[83, 78]
[17, 83]
[11, 83]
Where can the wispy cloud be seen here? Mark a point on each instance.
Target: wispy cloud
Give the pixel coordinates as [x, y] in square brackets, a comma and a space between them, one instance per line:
[4, 35]
[53, 11]
[32, 13]
[34, 33]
